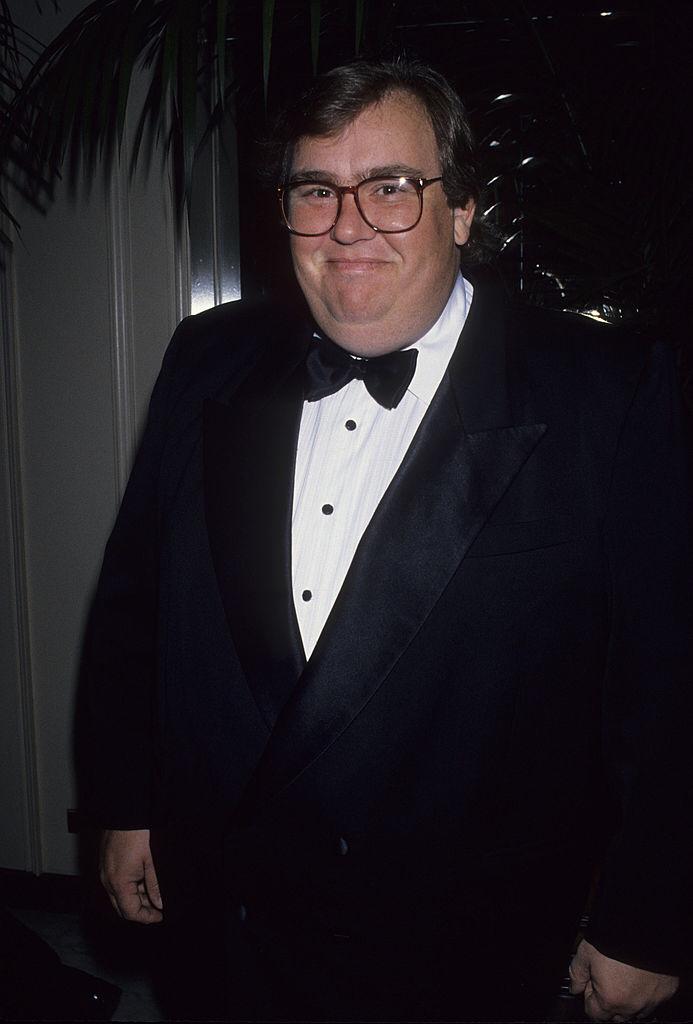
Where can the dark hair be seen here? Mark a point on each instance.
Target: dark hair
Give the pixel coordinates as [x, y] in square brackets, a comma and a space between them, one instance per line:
[336, 98]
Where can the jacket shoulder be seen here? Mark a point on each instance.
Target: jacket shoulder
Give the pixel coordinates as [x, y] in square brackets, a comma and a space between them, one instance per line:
[569, 336]
[212, 349]
[568, 352]
[225, 335]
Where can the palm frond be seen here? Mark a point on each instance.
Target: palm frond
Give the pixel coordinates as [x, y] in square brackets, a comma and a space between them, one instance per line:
[221, 29]
[267, 26]
[358, 31]
[315, 6]
[74, 102]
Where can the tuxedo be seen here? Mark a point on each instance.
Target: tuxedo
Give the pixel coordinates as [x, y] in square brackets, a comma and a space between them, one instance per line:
[498, 702]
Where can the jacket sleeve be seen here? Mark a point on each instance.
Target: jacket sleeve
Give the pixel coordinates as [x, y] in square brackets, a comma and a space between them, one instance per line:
[115, 720]
[642, 910]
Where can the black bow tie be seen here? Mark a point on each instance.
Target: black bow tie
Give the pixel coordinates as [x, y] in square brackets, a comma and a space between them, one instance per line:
[330, 368]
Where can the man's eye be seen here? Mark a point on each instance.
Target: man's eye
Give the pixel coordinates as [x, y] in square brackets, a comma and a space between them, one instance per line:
[392, 188]
[314, 192]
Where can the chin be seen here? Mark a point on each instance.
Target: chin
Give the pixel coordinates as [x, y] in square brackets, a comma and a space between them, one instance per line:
[342, 319]
[367, 338]
[358, 318]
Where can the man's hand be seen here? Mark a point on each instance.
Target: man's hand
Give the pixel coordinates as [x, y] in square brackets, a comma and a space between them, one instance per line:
[127, 874]
[617, 991]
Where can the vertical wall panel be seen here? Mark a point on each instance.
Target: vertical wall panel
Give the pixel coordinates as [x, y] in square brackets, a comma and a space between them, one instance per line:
[19, 789]
[91, 294]
[68, 470]
[99, 288]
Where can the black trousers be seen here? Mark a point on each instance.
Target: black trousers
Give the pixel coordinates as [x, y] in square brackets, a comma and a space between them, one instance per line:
[399, 978]
[499, 963]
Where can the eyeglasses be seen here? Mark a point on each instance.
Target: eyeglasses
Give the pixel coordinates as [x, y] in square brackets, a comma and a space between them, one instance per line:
[388, 205]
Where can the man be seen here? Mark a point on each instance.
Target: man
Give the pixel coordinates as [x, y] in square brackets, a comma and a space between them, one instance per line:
[389, 655]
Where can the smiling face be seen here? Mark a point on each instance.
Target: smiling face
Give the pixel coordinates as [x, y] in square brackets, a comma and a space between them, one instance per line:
[370, 292]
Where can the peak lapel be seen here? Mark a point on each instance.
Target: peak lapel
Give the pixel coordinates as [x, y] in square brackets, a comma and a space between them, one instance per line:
[447, 486]
[249, 452]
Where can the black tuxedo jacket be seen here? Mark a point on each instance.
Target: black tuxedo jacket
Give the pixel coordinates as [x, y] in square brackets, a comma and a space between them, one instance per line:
[500, 697]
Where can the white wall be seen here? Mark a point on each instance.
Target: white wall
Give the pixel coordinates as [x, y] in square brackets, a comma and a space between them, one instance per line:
[95, 288]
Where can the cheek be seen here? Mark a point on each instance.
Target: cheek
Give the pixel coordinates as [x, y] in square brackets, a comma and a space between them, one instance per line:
[304, 254]
[425, 264]
[431, 250]
[300, 249]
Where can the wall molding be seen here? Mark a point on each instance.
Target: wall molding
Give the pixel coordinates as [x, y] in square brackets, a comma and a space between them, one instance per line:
[122, 327]
[13, 412]
[213, 223]
[179, 245]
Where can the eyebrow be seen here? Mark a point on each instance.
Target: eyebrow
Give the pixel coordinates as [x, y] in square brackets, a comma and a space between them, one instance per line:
[387, 171]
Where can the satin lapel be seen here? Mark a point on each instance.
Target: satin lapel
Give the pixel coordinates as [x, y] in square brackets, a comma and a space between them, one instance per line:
[249, 453]
[448, 484]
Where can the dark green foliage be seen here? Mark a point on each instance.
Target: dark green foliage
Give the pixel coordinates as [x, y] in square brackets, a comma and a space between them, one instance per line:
[67, 116]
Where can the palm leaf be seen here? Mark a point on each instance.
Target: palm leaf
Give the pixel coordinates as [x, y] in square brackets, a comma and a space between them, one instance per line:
[267, 25]
[222, 18]
[358, 33]
[186, 92]
[315, 6]
[74, 101]
[71, 110]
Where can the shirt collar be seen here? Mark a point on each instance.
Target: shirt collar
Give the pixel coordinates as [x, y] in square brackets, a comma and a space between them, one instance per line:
[436, 346]
[438, 343]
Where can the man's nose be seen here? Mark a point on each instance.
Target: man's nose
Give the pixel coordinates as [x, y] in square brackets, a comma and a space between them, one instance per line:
[350, 226]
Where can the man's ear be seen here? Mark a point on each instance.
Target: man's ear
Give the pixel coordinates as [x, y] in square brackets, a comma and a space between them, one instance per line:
[463, 217]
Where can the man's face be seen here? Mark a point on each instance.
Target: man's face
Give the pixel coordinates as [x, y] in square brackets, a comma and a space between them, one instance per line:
[370, 292]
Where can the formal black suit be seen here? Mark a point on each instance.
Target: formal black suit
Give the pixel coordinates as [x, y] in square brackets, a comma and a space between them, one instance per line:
[500, 693]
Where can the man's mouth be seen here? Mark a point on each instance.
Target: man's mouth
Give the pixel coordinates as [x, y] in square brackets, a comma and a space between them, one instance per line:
[356, 265]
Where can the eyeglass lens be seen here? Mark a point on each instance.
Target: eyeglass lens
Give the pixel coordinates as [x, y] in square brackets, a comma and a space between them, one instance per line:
[389, 204]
